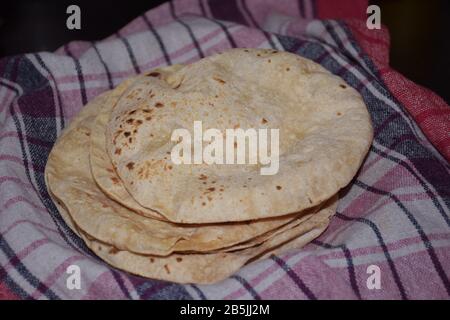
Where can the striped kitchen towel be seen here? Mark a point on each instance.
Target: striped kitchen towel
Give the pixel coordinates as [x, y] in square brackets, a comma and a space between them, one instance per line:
[393, 218]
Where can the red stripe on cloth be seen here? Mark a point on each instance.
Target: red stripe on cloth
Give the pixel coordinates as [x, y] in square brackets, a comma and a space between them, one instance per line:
[342, 9]
[6, 294]
[432, 112]
[429, 111]
[374, 42]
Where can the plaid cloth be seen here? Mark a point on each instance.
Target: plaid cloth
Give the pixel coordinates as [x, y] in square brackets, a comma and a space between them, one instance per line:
[394, 214]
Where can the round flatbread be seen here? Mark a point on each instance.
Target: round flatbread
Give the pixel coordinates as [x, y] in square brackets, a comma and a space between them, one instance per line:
[324, 134]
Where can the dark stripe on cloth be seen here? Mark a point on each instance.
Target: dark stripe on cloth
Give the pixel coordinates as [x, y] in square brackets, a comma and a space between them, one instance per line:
[226, 10]
[301, 8]
[120, 282]
[348, 258]
[351, 270]
[156, 289]
[198, 291]
[314, 9]
[269, 39]
[80, 76]
[222, 26]
[294, 277]
[226, 31]
[58, 95]
[130, 53]
[255, 23]
[189, 30]
[108, 73]
[169, 291]
[162, 47]
[249, 14]
[247, 287]
[157, 286]
[202, 8]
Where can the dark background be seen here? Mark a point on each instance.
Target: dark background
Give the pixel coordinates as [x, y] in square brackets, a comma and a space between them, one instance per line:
[419, 31]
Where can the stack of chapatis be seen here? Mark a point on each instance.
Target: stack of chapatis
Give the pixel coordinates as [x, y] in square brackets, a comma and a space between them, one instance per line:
[113, 180]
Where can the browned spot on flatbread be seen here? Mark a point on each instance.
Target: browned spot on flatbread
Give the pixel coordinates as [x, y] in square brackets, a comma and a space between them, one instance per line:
[159, 105]
[278, 187]
[179, 259]
[118, 151]
[219, 80]
[167, 268]
[113, 250]
[114, 180]
[154, 74]
[130, 165]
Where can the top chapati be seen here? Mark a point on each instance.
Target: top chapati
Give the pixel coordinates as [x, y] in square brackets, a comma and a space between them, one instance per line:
[70, 178]
[325, 132]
